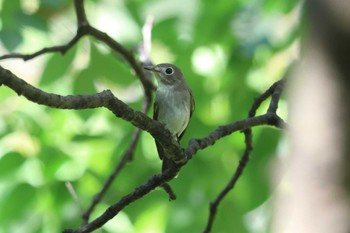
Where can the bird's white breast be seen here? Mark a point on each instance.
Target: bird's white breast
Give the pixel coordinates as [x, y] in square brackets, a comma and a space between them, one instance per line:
[173, 108]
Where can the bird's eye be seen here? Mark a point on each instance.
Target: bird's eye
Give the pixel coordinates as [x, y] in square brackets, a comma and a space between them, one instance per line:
[169, 71]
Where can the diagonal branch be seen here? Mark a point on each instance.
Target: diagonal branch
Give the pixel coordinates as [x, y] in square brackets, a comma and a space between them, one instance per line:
[113, 210]
[54, 49]
[276, 95]
[127, 156]
[124, 159]
[126, 54]
[230, 185]
[275, 90]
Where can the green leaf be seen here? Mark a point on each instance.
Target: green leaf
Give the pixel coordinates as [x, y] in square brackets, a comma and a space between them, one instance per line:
[11, 38]
[33, 21]
[17, 202]
[57, 66]
[9, 11]
[57, 4]
[166, 30]
[10, 163]
[257, 171]
[84, 82]
[107, 65]
[52, 159]
[103, 66]
[279, 6]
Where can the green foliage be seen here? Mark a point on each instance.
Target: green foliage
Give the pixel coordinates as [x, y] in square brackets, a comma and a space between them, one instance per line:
[229, 51]
[56, 66]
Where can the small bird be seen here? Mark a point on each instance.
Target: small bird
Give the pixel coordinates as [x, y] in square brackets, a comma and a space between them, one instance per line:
[173, 105]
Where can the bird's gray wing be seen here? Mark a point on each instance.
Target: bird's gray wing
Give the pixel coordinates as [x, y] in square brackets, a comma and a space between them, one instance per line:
[192, 106]
[155, 117]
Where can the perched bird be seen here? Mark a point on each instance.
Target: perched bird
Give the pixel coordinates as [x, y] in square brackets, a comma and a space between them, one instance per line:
[174, 103]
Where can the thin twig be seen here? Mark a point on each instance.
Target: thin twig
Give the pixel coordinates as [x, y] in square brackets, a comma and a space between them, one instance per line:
[276, 87]
[74, 195]
[128, 57]
[276, 95]
[145, 49]
[54, 49]
[167, 188]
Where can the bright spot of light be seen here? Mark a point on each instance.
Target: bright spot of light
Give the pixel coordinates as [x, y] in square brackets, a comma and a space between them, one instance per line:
[258, 219]
[208, 61]
[186, 13]
[113, 18]
[30, 7]
[120, 223]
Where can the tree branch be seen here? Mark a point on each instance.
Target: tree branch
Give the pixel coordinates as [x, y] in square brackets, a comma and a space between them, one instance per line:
[80, 13]
[270, 118]
[54, 49]
[128, 57]
[225, 130]
[38, 96]
[138, 193]
[124, 159]
[230, 185]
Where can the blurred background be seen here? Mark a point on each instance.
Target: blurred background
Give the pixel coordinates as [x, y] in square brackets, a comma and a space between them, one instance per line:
[229, 51]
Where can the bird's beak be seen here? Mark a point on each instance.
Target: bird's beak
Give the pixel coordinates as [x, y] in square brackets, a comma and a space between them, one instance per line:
[152, 68]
